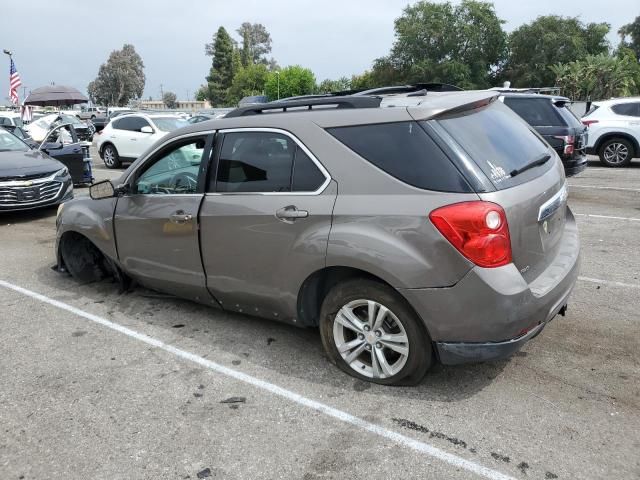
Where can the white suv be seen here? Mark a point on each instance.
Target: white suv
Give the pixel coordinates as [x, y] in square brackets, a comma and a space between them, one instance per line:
[126, 137]
[614, 130]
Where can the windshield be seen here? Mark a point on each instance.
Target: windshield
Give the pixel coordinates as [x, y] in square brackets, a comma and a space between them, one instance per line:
[499, 142]
[9, 143]
[169, 124]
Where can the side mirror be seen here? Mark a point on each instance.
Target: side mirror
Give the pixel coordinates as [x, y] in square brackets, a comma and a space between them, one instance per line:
[51, 146]
[146, 129]
[104, 189]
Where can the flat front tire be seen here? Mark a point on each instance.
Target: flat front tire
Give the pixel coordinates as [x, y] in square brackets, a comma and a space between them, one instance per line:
[370, 332]
[110, 156]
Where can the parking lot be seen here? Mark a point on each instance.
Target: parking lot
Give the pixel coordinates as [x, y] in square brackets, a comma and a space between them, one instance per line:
[101, 384]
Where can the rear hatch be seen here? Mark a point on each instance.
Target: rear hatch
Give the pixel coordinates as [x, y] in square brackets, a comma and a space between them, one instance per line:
[534, 199]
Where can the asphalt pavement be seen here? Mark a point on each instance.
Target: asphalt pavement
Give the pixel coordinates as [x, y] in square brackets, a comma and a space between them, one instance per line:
[106, 385]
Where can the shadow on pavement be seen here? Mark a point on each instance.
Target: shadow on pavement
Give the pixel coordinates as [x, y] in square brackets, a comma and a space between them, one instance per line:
[285, 349]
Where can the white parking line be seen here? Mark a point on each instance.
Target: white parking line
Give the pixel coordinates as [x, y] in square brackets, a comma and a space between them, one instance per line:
[609, 217]
[345, 417]
[605, 187]
[608, 282]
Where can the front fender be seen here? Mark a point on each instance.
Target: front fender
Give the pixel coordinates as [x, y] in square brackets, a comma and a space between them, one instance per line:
[90, 218]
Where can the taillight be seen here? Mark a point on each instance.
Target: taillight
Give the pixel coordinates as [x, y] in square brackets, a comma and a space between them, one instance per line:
[589, 122]
[478, 230]
[569, 143]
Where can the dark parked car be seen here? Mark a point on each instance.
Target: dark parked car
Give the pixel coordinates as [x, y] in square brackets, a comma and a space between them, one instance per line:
[22, 134]
[551, 117]
[63, 144]
[83, 130]
[408, 229]
[30, 178]
[99, 122]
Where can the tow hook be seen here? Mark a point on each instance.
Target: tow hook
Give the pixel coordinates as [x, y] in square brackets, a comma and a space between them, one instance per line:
[563, 311]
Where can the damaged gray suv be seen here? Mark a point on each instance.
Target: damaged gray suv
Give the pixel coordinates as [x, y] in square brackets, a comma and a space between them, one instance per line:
[409, 228]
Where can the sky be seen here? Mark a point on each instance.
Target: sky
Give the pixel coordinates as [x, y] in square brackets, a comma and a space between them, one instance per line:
[66, 41]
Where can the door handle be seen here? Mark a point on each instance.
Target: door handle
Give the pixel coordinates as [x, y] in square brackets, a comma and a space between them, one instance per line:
[180, 217]
[291, 213]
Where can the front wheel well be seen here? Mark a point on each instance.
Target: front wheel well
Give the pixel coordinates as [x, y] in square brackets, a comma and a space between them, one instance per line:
[81, 258]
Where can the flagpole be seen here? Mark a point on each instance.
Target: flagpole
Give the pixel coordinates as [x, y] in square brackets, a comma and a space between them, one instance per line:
[8, 52]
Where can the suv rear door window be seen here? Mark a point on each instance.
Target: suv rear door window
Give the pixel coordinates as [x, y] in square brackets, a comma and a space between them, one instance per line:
[255, 162]
[497, 143]
[132, 123]
[405, 151]
[307, 177]
[630, 109]
[537, 112]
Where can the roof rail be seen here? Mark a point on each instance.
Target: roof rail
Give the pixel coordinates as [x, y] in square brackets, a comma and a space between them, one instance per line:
[309, 103]
[416, 87]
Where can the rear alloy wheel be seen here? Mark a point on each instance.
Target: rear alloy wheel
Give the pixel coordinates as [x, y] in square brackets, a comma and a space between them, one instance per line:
[616, 152]
[110, 156]
[372, 334]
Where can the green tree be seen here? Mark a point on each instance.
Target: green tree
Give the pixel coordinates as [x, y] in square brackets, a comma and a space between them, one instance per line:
[201, 93]
[550, 40]
[169, 99]
[441, 42]
[363, 81]
[329, 86]
[248, 80]
[256, 43]
[120, 79]
[632, 32]
[224, 61]
[290, 81]
[597, 77]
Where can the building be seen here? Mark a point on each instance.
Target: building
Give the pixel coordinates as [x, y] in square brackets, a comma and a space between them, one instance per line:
[188, 105]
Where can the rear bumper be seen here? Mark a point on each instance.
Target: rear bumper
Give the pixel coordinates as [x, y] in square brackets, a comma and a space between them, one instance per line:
[455, 353]
[573, 166]
[491, 313]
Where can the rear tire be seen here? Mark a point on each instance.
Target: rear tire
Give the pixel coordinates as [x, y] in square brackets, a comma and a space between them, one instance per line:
[616, 152]
[110, 156]
[386, 343]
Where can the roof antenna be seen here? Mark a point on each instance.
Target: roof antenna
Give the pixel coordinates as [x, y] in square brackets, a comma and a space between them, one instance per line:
[506, 84]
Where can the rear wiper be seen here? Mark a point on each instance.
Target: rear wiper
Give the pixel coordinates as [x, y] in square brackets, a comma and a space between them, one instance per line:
[537, 162]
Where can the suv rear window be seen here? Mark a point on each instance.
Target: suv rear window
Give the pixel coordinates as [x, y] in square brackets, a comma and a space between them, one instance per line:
[537, 112]
[497, 143]
[405, 151]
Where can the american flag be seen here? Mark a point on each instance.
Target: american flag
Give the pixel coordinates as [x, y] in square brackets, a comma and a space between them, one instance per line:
[14, 83]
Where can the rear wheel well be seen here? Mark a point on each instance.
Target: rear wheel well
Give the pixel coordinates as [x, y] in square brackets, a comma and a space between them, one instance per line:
[625, 136]
[315, 288]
